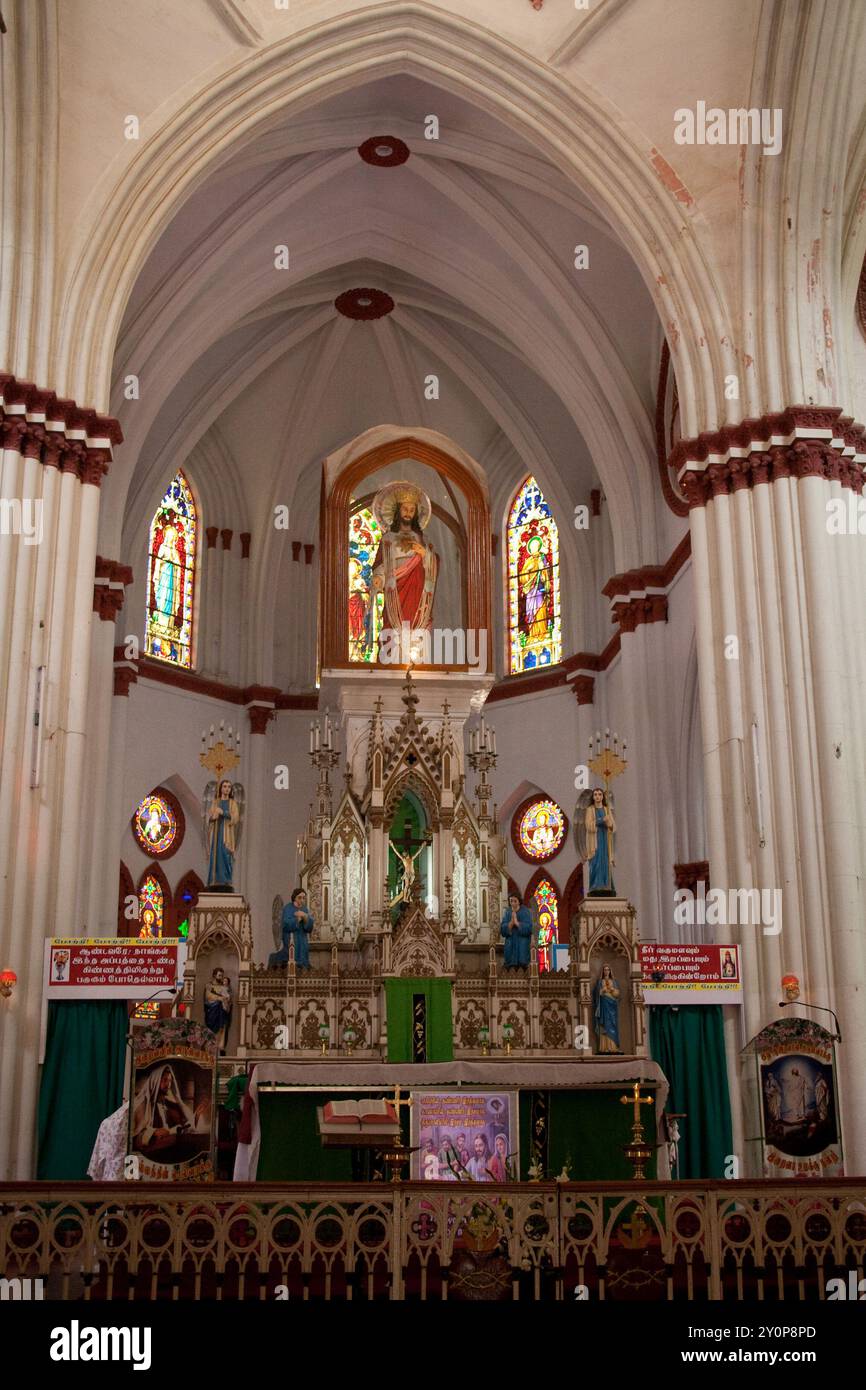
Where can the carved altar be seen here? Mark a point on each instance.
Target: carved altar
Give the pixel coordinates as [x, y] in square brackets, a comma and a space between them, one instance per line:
[446, 926]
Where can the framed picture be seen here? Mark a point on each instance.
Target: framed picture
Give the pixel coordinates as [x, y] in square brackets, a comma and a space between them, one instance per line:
[463, 1135]
[172, 1112]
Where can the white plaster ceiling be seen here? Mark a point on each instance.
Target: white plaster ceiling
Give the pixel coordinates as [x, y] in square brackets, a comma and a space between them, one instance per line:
[541, 366]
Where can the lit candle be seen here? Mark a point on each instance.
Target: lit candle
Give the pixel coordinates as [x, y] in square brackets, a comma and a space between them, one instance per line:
[312, 737]
[607, 738]
[623, 747]
[493, 741]
[318, 738]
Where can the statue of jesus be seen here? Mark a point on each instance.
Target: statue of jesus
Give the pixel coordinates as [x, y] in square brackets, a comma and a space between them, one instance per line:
[406, 566]
[404, 892]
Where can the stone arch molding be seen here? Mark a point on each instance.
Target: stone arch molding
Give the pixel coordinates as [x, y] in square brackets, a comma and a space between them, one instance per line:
[578, 130]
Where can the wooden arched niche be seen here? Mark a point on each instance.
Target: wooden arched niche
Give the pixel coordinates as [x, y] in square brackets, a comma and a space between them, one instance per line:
[334, 531]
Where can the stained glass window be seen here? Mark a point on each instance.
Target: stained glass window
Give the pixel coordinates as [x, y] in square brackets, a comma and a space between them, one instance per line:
[548, 923]
[365, 608]
[171, 575]
[150, 908]
[541, 830]
[154, 825]
[535, 633]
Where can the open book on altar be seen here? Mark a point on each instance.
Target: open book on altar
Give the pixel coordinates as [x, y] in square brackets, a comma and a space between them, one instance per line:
[358, 1119]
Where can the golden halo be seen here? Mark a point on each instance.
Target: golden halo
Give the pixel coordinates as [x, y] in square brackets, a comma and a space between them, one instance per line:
[387, 499]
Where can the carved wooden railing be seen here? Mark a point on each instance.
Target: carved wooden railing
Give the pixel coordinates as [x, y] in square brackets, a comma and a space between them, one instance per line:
[731, 1241]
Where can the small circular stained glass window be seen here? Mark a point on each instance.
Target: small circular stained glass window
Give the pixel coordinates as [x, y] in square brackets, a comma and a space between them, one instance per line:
[541, 830]
[155, 825]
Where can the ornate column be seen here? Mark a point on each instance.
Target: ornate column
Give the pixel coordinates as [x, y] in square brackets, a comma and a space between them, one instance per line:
[225, 579]
[111, 579]
[781, 663]
[209, 624]
[54, 457]
[639, 607]
[125, 676]
[260, 706]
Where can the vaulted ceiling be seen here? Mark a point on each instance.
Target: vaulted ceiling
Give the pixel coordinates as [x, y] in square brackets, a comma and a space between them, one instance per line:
[541, 366]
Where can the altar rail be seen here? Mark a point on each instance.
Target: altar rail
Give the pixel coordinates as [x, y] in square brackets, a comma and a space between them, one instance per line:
[730, 1241]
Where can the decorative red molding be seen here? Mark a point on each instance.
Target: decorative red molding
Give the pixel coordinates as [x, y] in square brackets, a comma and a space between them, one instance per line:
[595, 501]
[584, 689]
[799, 442]
[245, 539]
[861, 299]
[227, 539]
[296, 551]
[260, 717]
[308, 554]
[40, 425]
[515, 827]
[210, 534]
[690, 875]
[108, 600]
[364, 304]
[219, 690]
[385, 151]
[124, 677]
[632, 602]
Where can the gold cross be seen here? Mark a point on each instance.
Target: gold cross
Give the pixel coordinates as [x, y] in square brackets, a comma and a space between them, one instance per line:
[397, 1102]
[637, 1100]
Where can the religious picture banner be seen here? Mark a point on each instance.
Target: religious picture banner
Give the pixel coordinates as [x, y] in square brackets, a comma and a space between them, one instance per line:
[799, 1107]
[113, 967]
[682, 974]
[173, 1113]
[465, 1136]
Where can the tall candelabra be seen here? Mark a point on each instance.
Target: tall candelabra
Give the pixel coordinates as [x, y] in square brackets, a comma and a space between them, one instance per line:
[219, 756]
[605, 761]
[482, 759]
[325, 754]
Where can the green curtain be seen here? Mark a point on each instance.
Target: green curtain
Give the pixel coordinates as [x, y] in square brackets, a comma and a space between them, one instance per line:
[689, 1045]
[440, 1029]
[82, 1083]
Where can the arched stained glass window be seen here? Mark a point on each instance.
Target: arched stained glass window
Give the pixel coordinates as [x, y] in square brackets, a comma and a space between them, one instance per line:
[151, 905]
[365, 608]
[171, 575]
[150, 916]
[535, 633]
[548, 923]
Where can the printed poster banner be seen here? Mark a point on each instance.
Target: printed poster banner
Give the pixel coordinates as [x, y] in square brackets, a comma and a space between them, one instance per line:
[112, 967]
[799, 1108]
[465, 1136]
[686, 974]
[172, 1115]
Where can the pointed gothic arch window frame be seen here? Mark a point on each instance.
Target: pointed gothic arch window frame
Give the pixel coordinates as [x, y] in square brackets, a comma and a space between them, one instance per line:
[545, 962]
[171, 589]
[530, 517]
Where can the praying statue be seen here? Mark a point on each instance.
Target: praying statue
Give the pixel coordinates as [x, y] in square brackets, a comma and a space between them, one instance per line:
[406, 566]
[595, 828]
[605, 1011]
[218, 1005]
[516, 928]
[297, 924]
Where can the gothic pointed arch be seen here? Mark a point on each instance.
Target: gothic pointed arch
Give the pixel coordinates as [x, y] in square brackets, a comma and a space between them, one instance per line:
[172, 558]
[532, 559]
[155, 904]
[543, 899]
